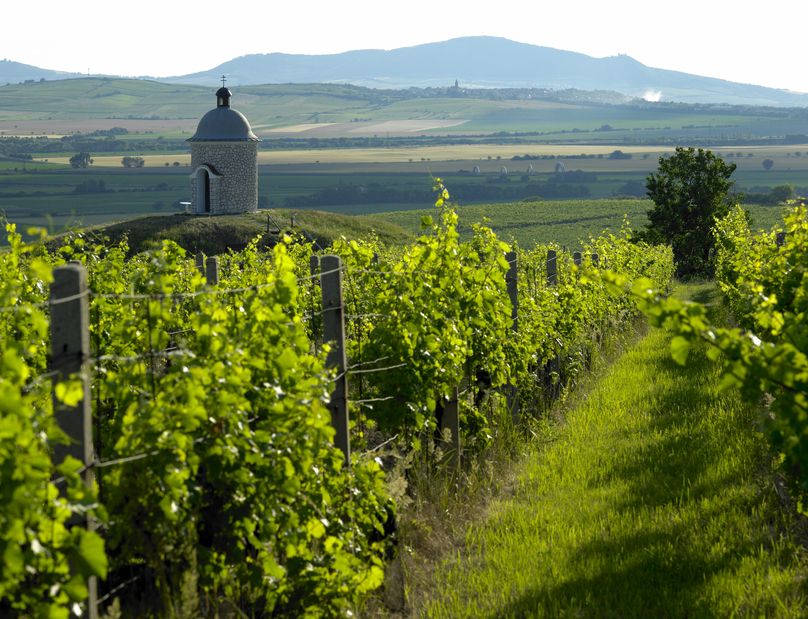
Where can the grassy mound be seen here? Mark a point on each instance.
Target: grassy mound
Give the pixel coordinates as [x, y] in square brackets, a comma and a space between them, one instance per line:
[216, 234]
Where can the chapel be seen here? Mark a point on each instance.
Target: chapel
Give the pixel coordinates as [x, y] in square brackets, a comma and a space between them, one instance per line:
[224, 160]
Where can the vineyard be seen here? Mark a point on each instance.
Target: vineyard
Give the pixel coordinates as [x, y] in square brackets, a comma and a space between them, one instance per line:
[233, 450]
[764, 281]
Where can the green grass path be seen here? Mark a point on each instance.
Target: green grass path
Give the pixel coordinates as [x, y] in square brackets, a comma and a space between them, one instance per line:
[653, 499]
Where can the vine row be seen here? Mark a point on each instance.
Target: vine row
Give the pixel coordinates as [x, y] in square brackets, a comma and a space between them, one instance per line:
[215, 476]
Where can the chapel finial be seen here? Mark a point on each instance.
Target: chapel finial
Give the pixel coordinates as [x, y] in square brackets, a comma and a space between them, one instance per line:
[223, 95]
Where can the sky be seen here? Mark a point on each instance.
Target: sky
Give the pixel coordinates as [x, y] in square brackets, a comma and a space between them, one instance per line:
[749, 42]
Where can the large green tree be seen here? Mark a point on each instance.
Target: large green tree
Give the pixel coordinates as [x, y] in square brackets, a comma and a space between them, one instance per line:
[134, 162]
[81, 160]
[690, 189]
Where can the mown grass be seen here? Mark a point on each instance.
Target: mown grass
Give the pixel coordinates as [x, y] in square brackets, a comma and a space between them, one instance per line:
[654, 499]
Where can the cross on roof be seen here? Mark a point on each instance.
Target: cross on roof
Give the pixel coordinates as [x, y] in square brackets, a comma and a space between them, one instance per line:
[224, 79]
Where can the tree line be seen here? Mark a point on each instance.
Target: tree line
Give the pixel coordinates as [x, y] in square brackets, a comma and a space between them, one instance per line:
[375, 193]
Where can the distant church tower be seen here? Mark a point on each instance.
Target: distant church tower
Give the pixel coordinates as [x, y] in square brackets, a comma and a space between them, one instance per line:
[224, 159]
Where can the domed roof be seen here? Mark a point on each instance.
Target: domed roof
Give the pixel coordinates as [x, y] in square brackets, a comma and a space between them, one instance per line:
[223, 123]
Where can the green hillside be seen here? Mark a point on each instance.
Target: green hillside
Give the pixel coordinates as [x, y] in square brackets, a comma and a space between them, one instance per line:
[344, 111]
[113, 98]
[567, 222]
[101, 97]
[216, 235]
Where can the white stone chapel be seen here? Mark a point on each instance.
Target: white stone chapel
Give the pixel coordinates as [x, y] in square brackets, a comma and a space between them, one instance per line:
[224, 160]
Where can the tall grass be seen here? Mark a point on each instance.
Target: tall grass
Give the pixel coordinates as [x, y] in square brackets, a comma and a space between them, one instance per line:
[437, 503]
[654, 499]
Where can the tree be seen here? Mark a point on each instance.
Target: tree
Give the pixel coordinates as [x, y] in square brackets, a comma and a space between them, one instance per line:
[781, 194]
[768, 164]
[133, 162]
[690, 191]
[81, 160]
[619, 154]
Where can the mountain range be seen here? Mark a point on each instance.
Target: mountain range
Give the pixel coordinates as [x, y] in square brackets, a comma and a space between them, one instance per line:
[474, 62]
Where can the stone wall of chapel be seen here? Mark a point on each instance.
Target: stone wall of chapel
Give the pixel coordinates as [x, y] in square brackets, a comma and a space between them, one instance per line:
[237, 163]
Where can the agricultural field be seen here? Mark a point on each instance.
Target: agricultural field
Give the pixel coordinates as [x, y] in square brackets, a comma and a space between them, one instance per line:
[338, 163]
[56, 196]
[570, 223]
[355, 150]
[328, 111]
[788, 160]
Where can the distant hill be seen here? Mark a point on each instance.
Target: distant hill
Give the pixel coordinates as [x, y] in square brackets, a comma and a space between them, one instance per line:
[267, 104]
[490, 62]
[475, 62]
[15, 72]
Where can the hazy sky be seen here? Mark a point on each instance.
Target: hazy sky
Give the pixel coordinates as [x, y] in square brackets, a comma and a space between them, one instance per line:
[744, 41]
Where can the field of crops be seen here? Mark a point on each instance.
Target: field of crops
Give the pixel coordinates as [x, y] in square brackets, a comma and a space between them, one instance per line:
[56, 196]
[388, 169]
[332, 110]
[228, 466]
[220, 453]
[570, 223]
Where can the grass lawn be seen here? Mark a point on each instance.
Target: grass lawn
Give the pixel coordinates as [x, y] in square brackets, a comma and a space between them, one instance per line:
[655, 498]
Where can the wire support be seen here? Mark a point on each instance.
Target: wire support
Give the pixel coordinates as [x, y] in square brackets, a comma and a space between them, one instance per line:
[44, 304]
[103, 464]
[319, 274]
[362, 363]
[339, 376]
[371, 400]
[369, 315]
[380, 446]
[376, 272]
[117, 589]
[161, 354]
[39, 380]
[372, 370]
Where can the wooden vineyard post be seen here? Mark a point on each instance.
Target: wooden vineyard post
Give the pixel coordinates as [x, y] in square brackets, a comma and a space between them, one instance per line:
[334, 335]
[316, 323]
[576, 258]
[200, 262]
[70, 354]
[552, 280]
[212, 271]
[552, 267]
[451, 420]
[512, 281]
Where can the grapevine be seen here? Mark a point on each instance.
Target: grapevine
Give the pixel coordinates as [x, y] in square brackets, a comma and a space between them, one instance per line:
[215, 466]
